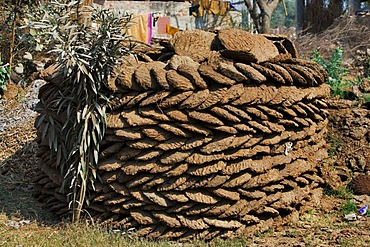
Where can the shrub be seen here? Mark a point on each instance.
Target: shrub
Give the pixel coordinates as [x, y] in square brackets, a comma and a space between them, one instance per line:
[4, 76]
[87, 53]
[349, 207]
[366, 98]
[336, 72]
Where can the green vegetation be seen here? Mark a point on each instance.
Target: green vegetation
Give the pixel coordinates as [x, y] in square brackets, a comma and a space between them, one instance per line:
[13, 41]
[262, 234]
[349, 207]
[342, 193]
[335, 144]
[4, 76]
[87, 56]
[336, 72]
[366, 98]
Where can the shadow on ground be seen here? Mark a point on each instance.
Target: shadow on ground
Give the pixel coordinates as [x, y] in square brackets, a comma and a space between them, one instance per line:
[17, 173]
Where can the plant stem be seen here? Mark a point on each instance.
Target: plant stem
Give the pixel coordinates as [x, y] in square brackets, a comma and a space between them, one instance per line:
[11, 53]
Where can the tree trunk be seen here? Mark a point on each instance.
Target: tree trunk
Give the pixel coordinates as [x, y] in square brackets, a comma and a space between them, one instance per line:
[261, 11]
[254, 12]
[267, 8]
[300, 14]
[265, 23]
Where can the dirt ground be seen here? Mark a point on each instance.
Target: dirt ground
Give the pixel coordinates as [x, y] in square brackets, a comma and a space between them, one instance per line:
[323, 225]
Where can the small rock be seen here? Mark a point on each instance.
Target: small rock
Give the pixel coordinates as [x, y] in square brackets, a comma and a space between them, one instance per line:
[19, 69]
[27, 55]
[362, 199]
[351, 217]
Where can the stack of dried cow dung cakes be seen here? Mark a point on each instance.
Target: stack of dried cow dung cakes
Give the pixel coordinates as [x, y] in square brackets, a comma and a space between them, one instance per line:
[222, 139]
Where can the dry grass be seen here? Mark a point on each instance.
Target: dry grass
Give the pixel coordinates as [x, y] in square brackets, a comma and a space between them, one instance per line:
[322, 226]
[67, 234]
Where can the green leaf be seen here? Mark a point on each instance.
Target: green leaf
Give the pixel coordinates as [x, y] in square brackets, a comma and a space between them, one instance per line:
[95, 140]
[79, 116]
[40, 120]
[93, 172]
[45, 130]
[88, 139]
[93, 121]
[51, 136]
[51, 120]
[59, 156]
[55, 143]
[100, 110]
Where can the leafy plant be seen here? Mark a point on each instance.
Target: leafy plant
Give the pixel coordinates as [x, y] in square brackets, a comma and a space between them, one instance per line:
[349, 207]
[335, 70]
[86, 55]
[4, 76]
[366, 98]
[336, 143]
[342, 193]
[12, 13]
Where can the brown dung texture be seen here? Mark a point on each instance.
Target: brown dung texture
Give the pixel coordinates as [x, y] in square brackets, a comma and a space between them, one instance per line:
[194, 150]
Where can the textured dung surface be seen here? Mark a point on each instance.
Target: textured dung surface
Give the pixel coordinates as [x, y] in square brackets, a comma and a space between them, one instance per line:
[284, 45]
[251, 73]
[361, 185]
[246, 47]
[207, 150]
[185, 43]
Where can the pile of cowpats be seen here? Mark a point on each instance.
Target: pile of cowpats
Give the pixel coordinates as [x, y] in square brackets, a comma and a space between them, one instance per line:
[223, 138]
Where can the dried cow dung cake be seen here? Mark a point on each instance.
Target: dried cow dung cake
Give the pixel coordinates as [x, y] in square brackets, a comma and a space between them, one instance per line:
[287, 78]
[177, 60]
[208, 72]
[243, 46]
[284, 42]
[144, 77]
[178, 81]
[193, 43]
[126, 79]
[253, 74]
[159, 74]
[313, 65]
[215, 58]
[195, 99]
[269, 73]
[230, 71]
[191, 72]
[361, 185]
